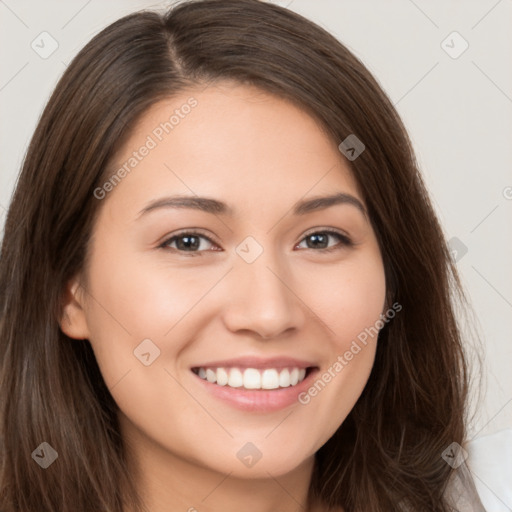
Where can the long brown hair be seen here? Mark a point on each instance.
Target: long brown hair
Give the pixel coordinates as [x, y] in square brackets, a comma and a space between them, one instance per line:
[388, 450]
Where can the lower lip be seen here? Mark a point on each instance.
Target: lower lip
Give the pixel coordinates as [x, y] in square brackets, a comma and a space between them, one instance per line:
[259, 400]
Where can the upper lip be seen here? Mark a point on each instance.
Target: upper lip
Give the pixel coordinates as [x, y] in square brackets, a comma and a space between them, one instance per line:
[257, 362]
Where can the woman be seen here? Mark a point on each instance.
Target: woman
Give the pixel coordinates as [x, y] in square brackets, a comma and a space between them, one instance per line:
[246, 291]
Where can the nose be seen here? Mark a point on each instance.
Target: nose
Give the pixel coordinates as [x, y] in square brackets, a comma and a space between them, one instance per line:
[260, 298]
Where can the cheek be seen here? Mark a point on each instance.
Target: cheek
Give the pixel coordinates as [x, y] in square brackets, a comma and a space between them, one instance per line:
[349, 297]
[350, 305]
[135, 302]
[131, 300]
[137, 299]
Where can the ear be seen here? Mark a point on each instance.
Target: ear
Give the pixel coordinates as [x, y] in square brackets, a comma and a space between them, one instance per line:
[73, 321]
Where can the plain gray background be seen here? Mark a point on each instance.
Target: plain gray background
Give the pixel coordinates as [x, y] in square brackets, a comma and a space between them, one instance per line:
[457, 109]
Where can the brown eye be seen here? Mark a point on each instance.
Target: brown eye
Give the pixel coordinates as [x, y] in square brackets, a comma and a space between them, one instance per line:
[187, 242]
[320, 240]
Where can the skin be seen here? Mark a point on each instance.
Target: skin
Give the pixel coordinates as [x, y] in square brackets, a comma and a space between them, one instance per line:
[259, 154]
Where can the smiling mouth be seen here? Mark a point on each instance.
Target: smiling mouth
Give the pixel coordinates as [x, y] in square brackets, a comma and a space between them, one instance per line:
[253, 378]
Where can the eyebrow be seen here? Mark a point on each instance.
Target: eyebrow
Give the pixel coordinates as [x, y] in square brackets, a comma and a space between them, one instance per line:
[216, 207]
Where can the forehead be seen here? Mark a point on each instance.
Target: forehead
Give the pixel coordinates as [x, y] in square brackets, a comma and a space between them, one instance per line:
[232, 141]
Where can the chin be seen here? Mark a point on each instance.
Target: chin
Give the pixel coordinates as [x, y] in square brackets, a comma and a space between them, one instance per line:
[251, 464]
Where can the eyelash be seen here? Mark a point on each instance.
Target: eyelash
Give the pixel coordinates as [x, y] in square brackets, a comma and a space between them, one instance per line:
[344, 241]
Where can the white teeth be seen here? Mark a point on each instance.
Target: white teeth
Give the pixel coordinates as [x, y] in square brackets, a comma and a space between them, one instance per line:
[284, 378]
[252, 378]
[222, 377]
[211, 376]
[236, 379]
[270, 379]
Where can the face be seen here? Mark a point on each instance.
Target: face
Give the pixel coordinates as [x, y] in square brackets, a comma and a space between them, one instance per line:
[226, 327]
